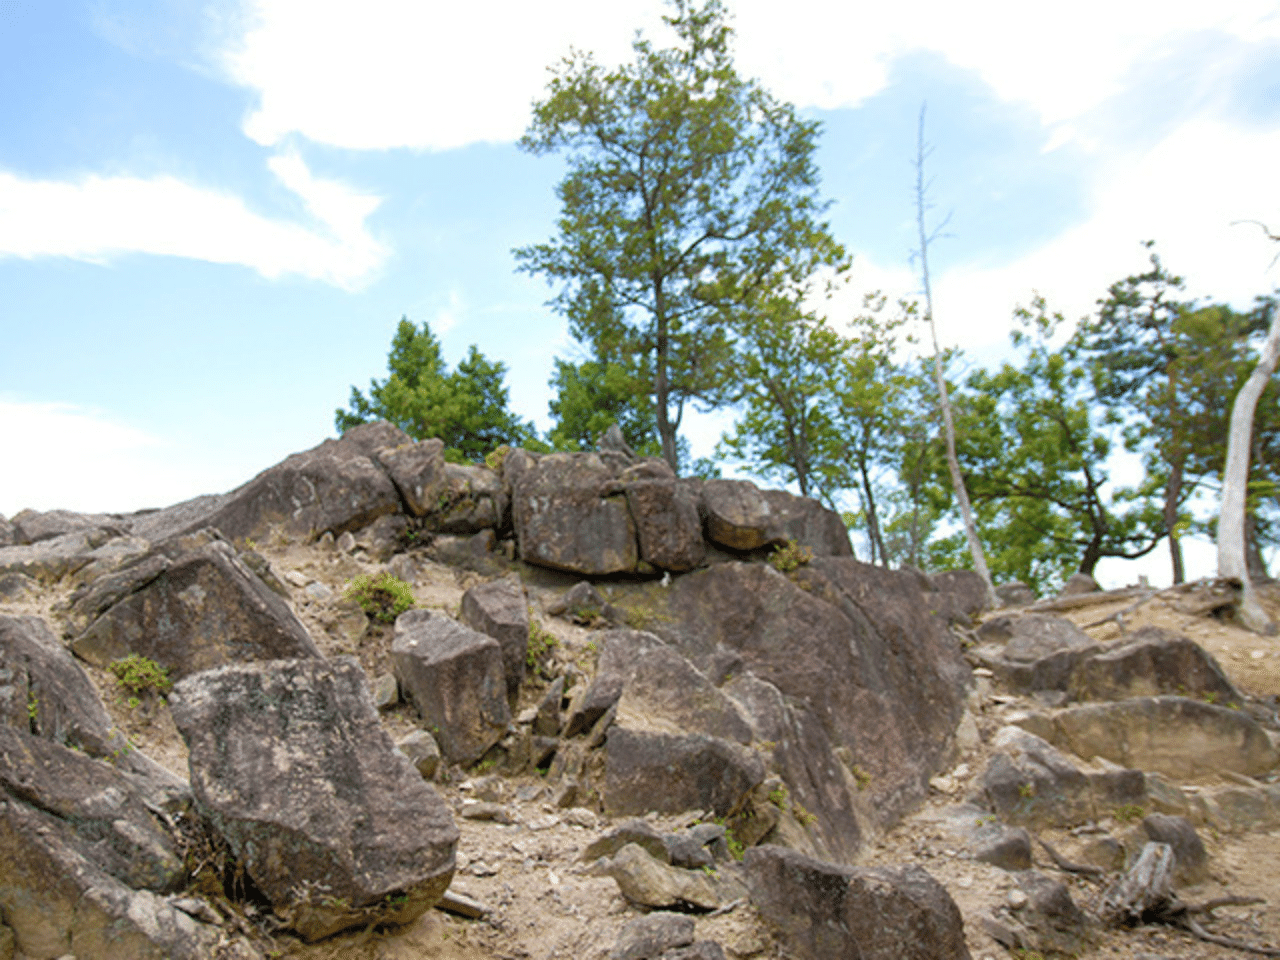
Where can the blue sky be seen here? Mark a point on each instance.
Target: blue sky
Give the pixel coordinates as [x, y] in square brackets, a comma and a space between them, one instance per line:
[213, 215]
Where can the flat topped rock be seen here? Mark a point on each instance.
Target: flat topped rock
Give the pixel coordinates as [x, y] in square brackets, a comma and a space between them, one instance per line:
[291, 765]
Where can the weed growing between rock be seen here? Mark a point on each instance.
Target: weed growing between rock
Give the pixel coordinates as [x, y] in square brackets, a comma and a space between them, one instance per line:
[140, 677]
[382, 597]
[541, 643]
[791, 557]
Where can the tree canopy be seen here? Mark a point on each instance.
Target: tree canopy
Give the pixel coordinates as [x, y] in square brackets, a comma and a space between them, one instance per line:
[466, 408]
[691, 201]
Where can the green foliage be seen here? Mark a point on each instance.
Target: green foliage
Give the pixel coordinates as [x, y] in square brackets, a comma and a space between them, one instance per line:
[778, 797]
[802, 815]
[691, 198]
[382, 597]
[33, 707]
[541, 643]
[140, 676]
[594, 394]
[1129, 812]
[467, 409]
[860, 776]
[793, 556]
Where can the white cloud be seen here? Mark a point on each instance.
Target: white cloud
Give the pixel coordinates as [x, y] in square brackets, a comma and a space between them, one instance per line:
[95, 218]
[403, 73]
[62, 456]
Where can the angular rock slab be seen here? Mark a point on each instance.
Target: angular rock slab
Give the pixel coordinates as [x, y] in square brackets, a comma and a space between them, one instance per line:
[499, 609]
[1150, 662]
[455, 677]
[189, 605]
[1028, 781]
[59, 902]
[570, 514]
[417, 470]
[1034, 651]
[291, 765]
[667, 521]
[822, 911]
[737, 515]
[671, 772]
[1175, 736]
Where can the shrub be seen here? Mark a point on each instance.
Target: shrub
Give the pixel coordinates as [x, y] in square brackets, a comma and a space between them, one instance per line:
[788, 558]
[140, 676]
[383, 597]
[541, 643]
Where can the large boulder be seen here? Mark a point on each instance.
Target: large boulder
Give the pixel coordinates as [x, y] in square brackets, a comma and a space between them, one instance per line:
[1028, 781]
[418, 471]
[808, 523]
[32, 526]
[44, 691]
[455, 678]
[737, 515]
[499, 609]
[665, 511]
[673, 772]
[822, 911]
[1175, 736]
[334, 487]
[1149, 662]
[57, 557]
[1033, 651]
[190, 604]
[570, 514]
[290, 764]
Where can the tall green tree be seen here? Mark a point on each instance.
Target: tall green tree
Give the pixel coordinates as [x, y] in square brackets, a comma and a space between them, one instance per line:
[594, 394]
[1036, 457]
[691, 198]
[466, 408]
[785, 377]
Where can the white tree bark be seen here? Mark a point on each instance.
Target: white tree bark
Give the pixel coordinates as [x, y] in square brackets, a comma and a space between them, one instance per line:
[953, 462]
[1232, 560]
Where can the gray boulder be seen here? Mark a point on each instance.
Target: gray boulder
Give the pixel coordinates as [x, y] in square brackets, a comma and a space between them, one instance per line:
[1028, 781]
[499, 609]
[1150, 662]
[957, 595]
[53, 559]
[1033, 651]
[1078, 584]
[1176, 736]
[644, 879]
[1015, 594]
[190, 604]
[418, 472]
[291, 765]
[647, 938]
[455, 678]
[334, 487]
[737, 515]
[1191, 860]
[673, 772]
[570, 514]
[809, 523]
[821, 911]
[472, 499]
[668, 525]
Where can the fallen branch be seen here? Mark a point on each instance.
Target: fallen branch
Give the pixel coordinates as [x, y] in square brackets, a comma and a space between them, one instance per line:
[1192, 927]
[1059, 604]
[1062, 863]
[1119, 615]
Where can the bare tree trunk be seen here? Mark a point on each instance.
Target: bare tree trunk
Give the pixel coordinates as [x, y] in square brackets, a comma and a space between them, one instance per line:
[953, 462]
[1232, 560]
[1173, 494]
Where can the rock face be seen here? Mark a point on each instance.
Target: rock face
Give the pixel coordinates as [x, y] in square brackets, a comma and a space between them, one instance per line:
[334, 825]
[874, 913]
[455, 678]
[190, 604]
[668, 525]
[1034, 651]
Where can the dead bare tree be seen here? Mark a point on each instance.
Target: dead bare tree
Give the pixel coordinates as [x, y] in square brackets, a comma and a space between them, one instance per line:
[948, 422]
[1232, 558]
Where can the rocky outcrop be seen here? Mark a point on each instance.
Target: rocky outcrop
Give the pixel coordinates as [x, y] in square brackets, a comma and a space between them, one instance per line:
[291, 766]
[875, 913]
[190, 604]
[454, 677]
[1033, 651]
[1150, 662]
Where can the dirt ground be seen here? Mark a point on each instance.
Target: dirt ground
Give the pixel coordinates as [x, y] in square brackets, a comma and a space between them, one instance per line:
[545, 903]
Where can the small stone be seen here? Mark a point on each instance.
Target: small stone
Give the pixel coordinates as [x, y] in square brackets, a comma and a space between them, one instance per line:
[481, 869]
[386, 692]
[318, 591]
[346, 543]
[484, 810]
[297, 578]
[421, 749]
[581, 817]
[1016, 899]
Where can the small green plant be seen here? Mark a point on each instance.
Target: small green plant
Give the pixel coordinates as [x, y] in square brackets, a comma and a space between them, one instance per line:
[861, 776]
[790, 557]
[778, 797]
[1129, 812]
[495, 458]
[806, 818]
[1026, 790]
[736, 848]
[1211, 696]
[486, 764]
[541, 643]
[139, 677]
[383, 597]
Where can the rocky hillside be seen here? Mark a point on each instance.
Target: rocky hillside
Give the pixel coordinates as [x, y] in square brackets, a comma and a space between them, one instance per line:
[626, 715]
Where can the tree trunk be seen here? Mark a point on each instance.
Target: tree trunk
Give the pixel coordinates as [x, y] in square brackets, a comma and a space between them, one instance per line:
[1172, 495]
[666, 431]
[1232, 562]
[1255, 561]
[873, 521]
[953, 462]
